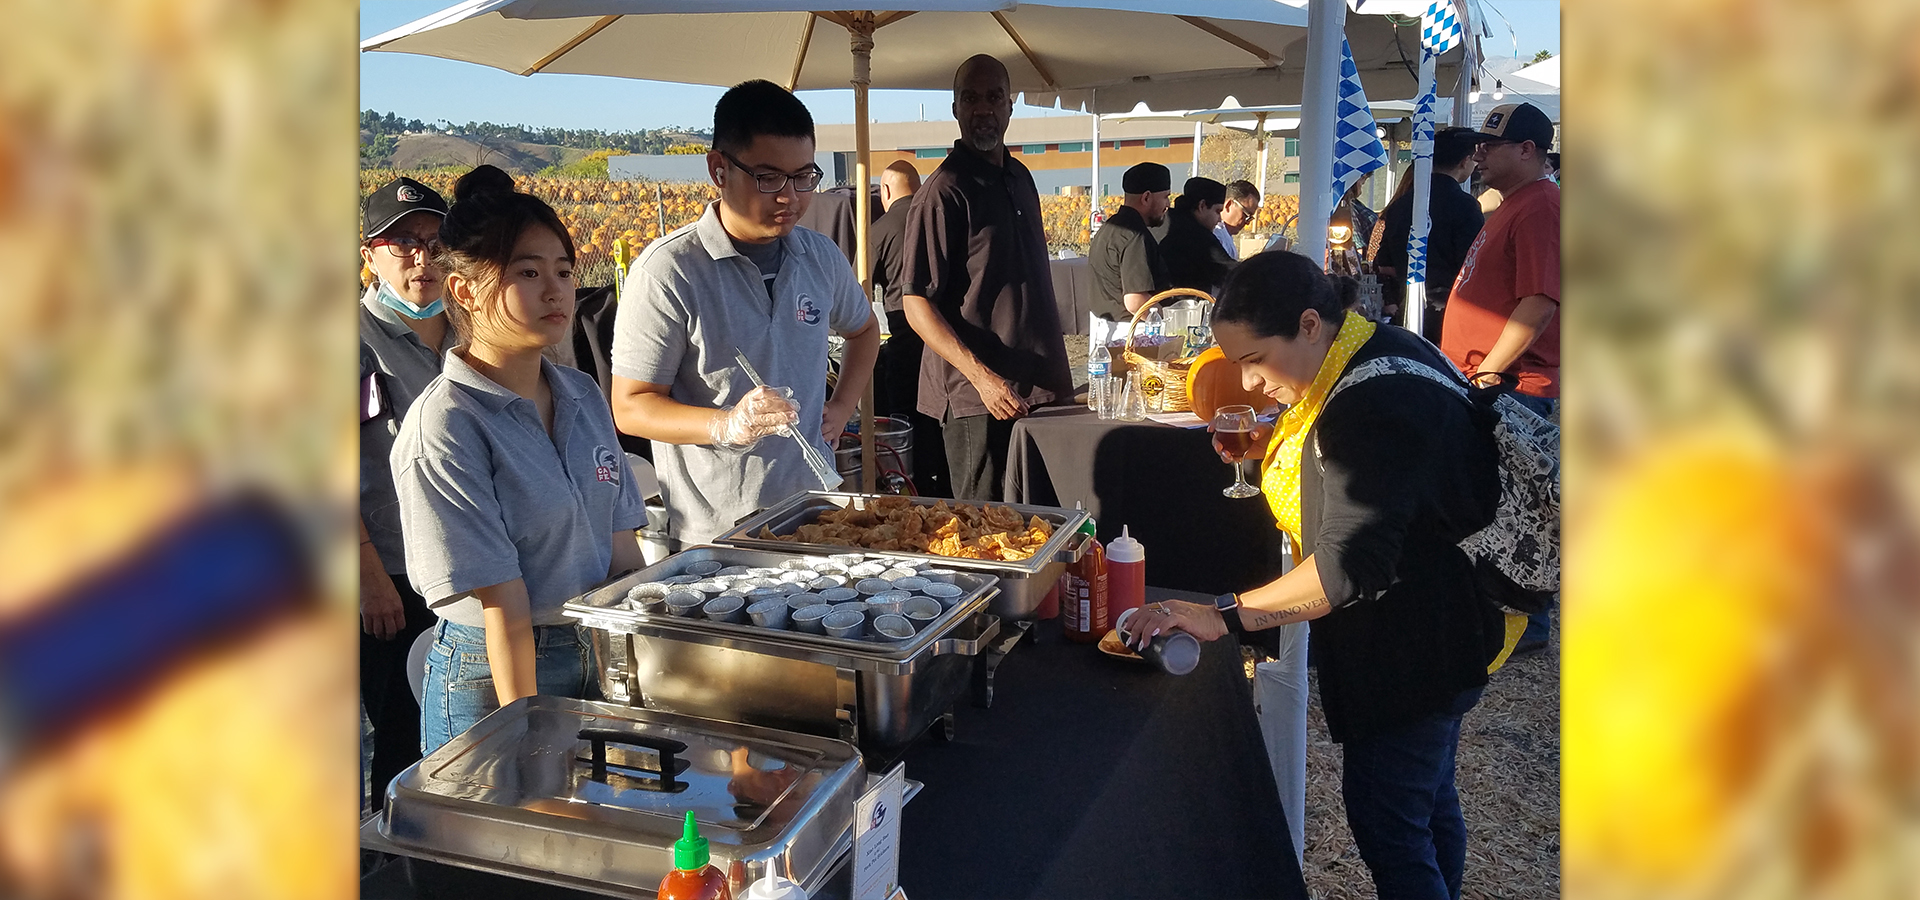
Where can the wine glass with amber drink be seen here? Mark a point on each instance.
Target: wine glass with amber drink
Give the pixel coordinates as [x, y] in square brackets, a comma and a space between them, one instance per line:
[1233, 431]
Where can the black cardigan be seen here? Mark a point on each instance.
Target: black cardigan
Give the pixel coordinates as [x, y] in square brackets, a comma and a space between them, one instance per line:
[1405, 470]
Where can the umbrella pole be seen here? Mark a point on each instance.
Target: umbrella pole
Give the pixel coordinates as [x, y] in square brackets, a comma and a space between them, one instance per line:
[1196, 152]
[1093, 191]
[861, 33]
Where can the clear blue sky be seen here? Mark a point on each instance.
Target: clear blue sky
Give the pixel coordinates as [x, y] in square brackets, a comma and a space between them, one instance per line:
[429, 89]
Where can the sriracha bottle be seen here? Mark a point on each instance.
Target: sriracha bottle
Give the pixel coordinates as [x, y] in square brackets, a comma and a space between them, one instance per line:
[692, 878]
[1083, 605]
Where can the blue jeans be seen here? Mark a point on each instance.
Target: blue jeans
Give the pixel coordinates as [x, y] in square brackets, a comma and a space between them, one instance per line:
[1537, 626]
[459, 686]
[1403, 809]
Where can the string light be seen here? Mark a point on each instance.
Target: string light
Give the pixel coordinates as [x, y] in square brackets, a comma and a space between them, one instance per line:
[1499, 90]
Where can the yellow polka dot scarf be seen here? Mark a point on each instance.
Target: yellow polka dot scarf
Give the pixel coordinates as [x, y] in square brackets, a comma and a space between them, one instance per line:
[1280, 472]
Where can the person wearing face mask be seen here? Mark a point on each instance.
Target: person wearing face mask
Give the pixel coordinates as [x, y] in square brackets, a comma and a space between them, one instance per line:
[1375, 485]
[403, 330]
[745, 278]
[513, 490]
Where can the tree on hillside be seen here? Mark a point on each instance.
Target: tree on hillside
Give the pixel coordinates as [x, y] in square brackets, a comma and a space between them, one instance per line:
[1543, 56]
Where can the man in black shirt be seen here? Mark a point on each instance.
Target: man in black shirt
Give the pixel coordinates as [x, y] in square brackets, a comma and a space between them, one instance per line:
[1124, 258]
[1456, 219]
[1193, 256]
[896, 377]
[976, 287]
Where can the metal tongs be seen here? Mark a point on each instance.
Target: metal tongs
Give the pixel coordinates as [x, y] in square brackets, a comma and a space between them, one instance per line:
[829, 478]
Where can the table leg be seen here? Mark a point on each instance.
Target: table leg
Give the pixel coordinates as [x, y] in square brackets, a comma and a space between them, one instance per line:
[990, 661]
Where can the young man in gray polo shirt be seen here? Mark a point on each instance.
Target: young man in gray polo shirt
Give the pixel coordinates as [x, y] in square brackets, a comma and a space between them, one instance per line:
[743, 278]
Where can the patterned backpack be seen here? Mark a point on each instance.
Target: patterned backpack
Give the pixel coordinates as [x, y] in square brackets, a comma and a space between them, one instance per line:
[1517, 557]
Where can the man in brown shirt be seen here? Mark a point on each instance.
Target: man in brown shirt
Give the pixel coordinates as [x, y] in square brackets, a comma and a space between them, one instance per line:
[977, 288]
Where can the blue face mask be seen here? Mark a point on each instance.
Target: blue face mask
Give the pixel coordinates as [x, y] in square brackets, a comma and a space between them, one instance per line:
[395, 302]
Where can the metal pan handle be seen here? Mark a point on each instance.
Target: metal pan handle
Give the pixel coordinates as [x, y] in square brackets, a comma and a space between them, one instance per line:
[1073, 549]
[970, 646]
[664, 748]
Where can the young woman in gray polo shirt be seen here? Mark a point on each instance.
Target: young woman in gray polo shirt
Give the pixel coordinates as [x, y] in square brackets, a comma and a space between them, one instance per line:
[514, 494]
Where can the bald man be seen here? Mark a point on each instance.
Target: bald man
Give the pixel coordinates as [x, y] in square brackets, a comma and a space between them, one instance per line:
[898, 181]
[896, 385]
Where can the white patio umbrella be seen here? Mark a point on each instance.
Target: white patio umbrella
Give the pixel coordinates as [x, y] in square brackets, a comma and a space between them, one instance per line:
[1098, 55]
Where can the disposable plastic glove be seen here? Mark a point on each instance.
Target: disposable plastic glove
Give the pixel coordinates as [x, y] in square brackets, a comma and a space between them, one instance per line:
[763, 411]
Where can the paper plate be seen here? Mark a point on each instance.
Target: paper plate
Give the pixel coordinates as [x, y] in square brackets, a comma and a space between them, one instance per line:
[1110, 645]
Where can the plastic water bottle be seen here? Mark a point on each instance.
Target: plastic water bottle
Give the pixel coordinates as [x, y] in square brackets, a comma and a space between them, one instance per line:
[1099, 363]
[1155, 324]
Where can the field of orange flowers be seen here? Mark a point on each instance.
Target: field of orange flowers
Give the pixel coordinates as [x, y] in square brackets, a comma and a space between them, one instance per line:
[598, 213]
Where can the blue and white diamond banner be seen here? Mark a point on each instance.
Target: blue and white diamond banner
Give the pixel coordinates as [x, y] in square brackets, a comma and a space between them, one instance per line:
[1356, 138]
[1439, 27]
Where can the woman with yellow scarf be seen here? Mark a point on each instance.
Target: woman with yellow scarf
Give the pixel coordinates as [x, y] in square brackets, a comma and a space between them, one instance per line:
[1376, 487]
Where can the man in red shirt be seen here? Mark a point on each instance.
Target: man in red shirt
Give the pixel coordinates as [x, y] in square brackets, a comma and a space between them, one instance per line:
[1503, 314]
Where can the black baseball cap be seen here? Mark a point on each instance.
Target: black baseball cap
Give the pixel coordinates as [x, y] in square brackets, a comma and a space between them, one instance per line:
[1519, 122]
[391, 202]
[1146, 178]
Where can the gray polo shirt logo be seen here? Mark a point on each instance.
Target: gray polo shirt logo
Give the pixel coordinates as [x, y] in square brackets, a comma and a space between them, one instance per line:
[606, 466]
[806, 312]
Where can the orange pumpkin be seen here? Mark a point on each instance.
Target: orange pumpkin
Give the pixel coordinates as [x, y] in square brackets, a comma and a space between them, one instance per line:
[1214, 381]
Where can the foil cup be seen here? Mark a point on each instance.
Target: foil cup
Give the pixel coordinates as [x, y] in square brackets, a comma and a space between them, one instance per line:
[734, 570]
[797, 576]
[898, 572]
[811, 619]
[726, 609]
[680, 579]
[712, 587]
[827, 581]
[839, 595]
[921, 611]
[765, 593]
[769, 614]
[797, 602]
[893, 629]
[949, 595]
[942, 576]
[796, 564]
[704, 568]
[766, 571]
[844, 624]
[867, 570]
[872, 586]
[887, 602]
[912, 584]
[856, 606]
[847, 560]
[685, 604]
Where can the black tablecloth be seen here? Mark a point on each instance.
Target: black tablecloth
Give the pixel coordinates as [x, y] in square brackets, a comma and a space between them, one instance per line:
[1162, 482]
[1090, 777]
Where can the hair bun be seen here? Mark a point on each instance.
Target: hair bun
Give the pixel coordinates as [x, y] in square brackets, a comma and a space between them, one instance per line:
[484, 179]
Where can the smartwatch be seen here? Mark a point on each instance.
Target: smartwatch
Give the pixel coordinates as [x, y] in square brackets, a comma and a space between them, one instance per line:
[1228, 605]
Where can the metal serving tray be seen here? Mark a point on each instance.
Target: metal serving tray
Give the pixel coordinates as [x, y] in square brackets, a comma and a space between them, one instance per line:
[1023, 583]
[878, 695]
[574, 792]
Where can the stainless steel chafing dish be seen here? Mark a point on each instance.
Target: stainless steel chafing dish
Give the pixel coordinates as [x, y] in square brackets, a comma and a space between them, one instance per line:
[592, 796]
[878, 695]
[1023, 583]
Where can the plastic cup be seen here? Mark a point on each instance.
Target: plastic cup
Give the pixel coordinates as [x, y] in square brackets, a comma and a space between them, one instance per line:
[948, 594]
[811, 619]
[685, 604]
[844, 624]
[872, 586]
[839, 595]
[887, 602]
[769, 614]
[893, 628]
[921, 611]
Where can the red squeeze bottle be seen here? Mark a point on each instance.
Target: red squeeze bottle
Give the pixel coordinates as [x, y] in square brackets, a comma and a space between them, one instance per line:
[692, 878]
[1083, 607]
[1126, 574]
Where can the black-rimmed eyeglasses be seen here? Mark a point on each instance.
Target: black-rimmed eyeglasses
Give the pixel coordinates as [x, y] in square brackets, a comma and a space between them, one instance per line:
[403, 246]
[803, 181]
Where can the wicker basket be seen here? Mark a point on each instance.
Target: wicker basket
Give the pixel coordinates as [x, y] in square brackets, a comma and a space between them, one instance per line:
[1166, 379]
